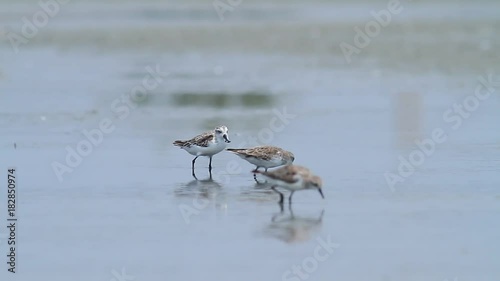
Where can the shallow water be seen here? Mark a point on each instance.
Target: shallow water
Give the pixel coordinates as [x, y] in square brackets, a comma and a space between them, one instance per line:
[131, 204]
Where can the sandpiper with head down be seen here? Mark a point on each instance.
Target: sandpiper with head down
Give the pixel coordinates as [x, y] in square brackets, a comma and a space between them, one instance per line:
[207, 144]
[293, 178]
[264, 156]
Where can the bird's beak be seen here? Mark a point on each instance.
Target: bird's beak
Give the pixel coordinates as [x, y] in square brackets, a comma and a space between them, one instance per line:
[226, 139]
[321, 192]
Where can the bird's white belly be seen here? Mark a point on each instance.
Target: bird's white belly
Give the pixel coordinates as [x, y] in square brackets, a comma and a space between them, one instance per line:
[273, 162]
[289, 186]
[210, 150]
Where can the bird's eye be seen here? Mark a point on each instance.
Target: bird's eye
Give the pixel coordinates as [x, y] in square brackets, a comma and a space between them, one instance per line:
[218, 131]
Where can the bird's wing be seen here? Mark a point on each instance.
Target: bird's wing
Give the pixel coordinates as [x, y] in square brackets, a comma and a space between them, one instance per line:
[286, 174]
[201, 140]
[261, 152]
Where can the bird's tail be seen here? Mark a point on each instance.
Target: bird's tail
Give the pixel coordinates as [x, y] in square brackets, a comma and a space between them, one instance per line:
[236, 150]
[179, 143]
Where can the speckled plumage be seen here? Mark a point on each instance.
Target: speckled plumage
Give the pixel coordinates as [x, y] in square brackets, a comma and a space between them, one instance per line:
[265, 156]
[206, 144]
[200, 140]
[293, 178]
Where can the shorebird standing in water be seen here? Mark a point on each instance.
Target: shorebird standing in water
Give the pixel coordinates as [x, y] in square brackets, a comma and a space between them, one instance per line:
[293, 178]
[264, 156]
[207, 144]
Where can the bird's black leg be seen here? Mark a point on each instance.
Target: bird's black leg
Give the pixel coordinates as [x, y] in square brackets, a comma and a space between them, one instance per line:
[210, 165]
[255, 175]
[281, 195]
[192, 166]
[290, 198]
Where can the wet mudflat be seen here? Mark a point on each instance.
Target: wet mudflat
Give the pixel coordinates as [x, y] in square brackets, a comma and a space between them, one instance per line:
[126, 202]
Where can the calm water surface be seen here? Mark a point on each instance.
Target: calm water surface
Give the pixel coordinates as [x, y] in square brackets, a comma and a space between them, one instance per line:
[131, 204]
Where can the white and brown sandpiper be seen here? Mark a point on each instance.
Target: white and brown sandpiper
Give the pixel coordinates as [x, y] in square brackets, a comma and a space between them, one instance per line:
[264, 156]
[293, 178]
[207, 144]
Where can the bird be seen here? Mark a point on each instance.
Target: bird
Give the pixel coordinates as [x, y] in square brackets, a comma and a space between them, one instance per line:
[206, 144]
[265, 156]
[293, 178]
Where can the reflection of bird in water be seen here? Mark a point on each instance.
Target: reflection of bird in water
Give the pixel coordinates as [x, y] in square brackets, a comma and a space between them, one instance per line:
[207, 188]
[291, 228]
[408, 118]
[260, 192]
[202, 195]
